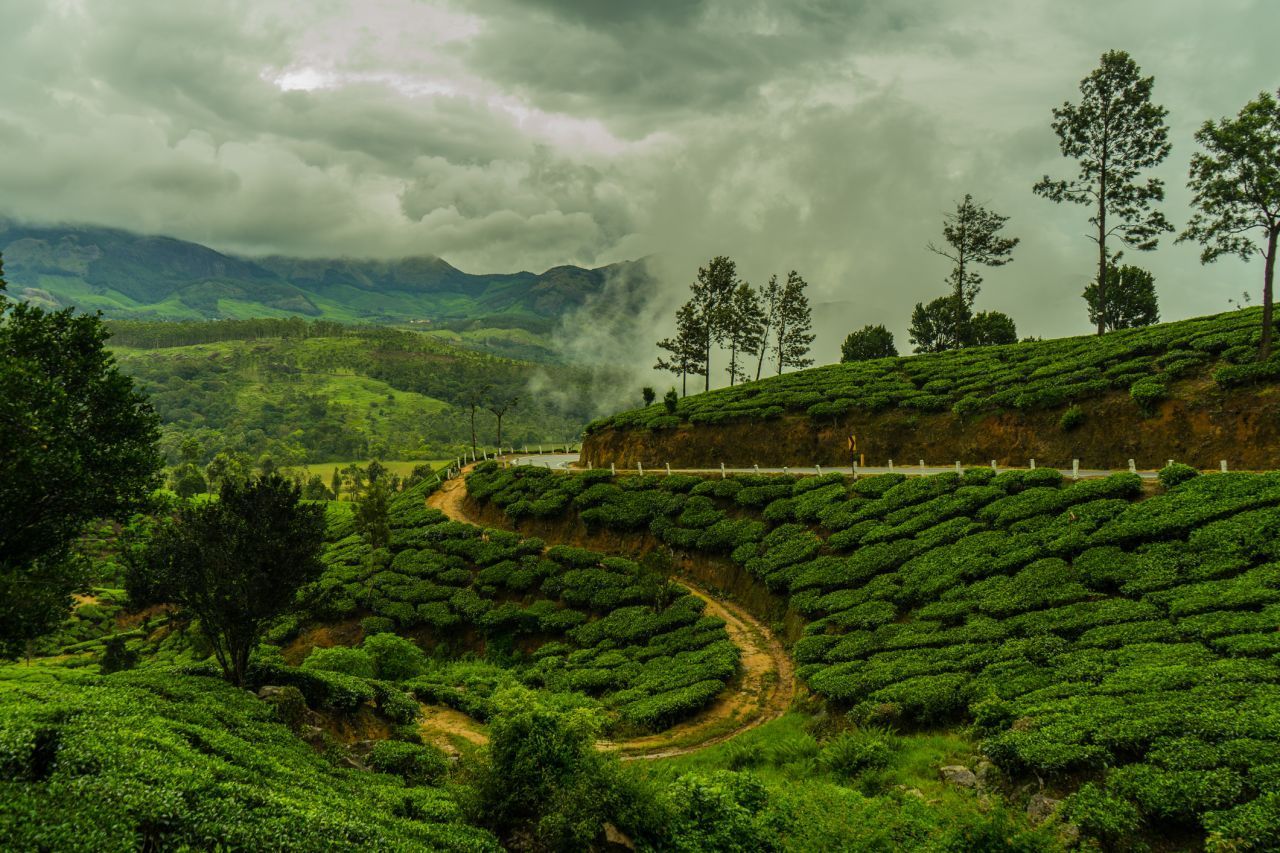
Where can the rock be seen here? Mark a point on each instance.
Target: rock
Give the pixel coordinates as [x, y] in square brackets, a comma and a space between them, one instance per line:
[988, 774]
[909, 792]
[959, 775]
[313, 736]
[1040, 808]
[269, 690]
[1069, 834]
[291, 709]
[615, 838]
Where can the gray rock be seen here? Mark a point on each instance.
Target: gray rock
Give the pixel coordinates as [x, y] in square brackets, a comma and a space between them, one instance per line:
[959, 775]
[1040, 808]
[988, 774]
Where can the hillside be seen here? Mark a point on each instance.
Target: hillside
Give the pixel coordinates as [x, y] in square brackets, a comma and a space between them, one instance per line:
[312, 392]
[1187, 390]
[132, 276]
[1117, 649]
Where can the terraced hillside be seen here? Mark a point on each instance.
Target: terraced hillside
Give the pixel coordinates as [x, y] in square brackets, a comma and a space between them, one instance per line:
[1190, 390]
[597, 631]
[1122, 648]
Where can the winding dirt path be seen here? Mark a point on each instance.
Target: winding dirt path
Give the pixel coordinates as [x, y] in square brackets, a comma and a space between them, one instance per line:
[762, 690]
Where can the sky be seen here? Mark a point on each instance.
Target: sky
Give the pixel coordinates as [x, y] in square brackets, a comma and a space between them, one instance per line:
[826, 136]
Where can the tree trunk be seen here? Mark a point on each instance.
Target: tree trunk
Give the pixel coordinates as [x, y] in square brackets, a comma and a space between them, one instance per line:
[499, 417]
[733, 363]
[473, 429]
[1102, 249]
[1268, 275]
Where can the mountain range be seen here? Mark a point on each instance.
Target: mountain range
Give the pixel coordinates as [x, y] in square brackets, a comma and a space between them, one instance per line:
[134, 276]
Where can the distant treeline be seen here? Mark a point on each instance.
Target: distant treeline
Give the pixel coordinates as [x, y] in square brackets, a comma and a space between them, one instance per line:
[158, 335]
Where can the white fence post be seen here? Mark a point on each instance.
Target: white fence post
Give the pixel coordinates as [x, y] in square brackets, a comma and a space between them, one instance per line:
[993, 465]
[668, 469]
[639, 468]
[1133, 467]
[722, 473]
[757, 467]
[1033, 464]
[890, 464]
[819, 468]
[958, 469]
[1075, 469]
[1167, 464]
[921, 464]
[1223, 466]
[612, 469]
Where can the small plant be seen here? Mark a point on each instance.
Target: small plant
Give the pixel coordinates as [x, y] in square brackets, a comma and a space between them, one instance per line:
[1172, 475]
[670, 400]
[417, 765]
[1147, 392]
[648, 394]
[850, 753]
[116, 656]
[1071, 418]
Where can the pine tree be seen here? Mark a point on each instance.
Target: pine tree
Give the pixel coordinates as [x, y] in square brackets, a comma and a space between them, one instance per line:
[1236, 181]
[770, 298]
[1114, 133]
[794, 320]
[686, 351]
[744, 323]
[712, 293]
[973, 238]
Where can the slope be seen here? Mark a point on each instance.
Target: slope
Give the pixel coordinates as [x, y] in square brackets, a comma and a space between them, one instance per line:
[1188, 390]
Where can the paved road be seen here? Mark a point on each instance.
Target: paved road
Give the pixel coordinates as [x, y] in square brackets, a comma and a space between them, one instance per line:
[566, 461]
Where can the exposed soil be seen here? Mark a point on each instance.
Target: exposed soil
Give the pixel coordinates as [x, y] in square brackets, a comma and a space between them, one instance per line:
[1200, 425]
[762, 691]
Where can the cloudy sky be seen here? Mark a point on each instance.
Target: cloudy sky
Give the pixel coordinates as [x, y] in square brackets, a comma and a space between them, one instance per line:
[823, 135]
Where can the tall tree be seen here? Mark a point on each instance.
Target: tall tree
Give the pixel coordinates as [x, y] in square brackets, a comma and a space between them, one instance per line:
[743, 325]
[1131, 299]
[500, 405]
[1114, 133]
[770, 299]
[77, 442]
[473, 397]
[972, 235]
[990, 328]
[686, 352]
[794, 320]
[712, 293]
[1236, 181]
[870, 342]
[237, 562]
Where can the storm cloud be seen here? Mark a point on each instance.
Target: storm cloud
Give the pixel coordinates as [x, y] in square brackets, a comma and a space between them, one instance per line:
[817, 135]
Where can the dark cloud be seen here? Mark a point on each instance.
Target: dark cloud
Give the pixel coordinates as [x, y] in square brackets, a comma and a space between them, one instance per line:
[821, 135]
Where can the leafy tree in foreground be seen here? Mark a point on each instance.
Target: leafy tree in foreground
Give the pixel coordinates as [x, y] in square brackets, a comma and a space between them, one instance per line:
[237, 562]
[868, 343]
[1236, 181]
[1131, 299]
[973, 239]
[1113, 133]
[77, 442]
[686, 351]
[793, 322]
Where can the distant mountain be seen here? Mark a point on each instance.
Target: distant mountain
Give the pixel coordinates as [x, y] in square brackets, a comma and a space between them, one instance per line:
[132, 276]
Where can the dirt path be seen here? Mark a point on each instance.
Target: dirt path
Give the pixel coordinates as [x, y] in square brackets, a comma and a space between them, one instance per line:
[762, 690]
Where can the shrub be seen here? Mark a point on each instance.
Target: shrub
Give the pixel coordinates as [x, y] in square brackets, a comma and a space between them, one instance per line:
[394, 657]
[416, 764]
[1147, 392]
[1172, 475]
[1071, 418]
[347, 661]
[850, 753]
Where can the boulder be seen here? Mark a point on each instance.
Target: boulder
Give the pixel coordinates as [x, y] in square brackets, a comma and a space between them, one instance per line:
[959, 775]
[1040, 808]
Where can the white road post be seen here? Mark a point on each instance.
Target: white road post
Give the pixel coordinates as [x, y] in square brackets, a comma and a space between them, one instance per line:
[1033, 464]
[1133, 467]
[639, 468]
[890, 464]
[1075, 469]
[1167, 464]
[958, 469]
[539, 449]
[757, 467]
[612, 469]
[993, 465]
[819, 468]
[668, 469]
[921, 464]
[722, 473]
[1223, 466]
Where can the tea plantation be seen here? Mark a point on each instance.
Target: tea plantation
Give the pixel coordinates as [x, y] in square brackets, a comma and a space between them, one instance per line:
[1029, 375]
[598, 630]
[159, 760]
[1123, 650]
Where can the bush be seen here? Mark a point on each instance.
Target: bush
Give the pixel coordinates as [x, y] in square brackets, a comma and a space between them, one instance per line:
[416, 764]
[1172, 475]
[347, 661]
[850, 753]
[1071, 418]
[1147, 392]
[394, 657]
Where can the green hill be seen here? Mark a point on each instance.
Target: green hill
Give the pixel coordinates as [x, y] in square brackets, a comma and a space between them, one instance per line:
[1187, 390]
[313, 392]
[1122, 650]
[135, 276]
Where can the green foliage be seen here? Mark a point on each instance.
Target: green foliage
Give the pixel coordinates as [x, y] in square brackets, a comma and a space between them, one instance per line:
[355, 662]
[868, 343]
[416, 764]
[1032, 376]
[1130, 299]
[394, 658]
[1178, 472]
[160, 760]
[79, 443]
[1071, 418]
